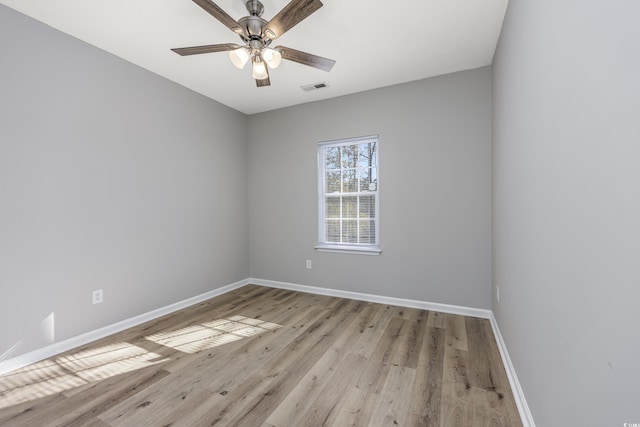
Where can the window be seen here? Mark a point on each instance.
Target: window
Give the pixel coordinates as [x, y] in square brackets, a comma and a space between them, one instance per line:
[348, 195]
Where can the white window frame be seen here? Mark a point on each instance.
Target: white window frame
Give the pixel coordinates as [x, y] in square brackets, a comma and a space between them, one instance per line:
[353, 248]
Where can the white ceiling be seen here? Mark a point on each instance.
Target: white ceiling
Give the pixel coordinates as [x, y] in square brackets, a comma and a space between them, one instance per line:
[375, 43]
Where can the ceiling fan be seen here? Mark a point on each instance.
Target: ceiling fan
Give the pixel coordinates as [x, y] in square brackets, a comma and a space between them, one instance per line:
[257, 34]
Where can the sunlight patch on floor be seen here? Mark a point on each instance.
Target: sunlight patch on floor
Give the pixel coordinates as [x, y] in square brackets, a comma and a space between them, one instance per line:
[212, 334]
[63, 373]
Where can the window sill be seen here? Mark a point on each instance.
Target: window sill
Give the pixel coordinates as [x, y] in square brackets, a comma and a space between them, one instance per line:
[346, 249]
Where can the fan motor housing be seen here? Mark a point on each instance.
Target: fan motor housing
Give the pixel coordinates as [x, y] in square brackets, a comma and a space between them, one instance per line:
[253, 24]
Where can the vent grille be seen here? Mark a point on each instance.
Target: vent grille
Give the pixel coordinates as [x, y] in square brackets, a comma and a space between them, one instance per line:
[314, 86]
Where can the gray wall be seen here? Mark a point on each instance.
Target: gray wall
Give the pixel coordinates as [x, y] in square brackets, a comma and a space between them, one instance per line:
[110, 178]
[435, 190]
[567, 207]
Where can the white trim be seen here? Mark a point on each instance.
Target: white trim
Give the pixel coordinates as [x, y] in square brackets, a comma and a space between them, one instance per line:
[518, 394]
[82, 339]
[349, 249]
[402, 302]
[350, 141]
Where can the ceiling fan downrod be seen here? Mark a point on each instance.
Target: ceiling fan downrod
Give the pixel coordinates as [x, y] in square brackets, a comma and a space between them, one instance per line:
[254, 7]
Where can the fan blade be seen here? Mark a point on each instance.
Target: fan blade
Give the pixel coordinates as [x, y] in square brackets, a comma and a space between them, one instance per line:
[289, 16]
[210, 48]
[215, 11]
[306, 58]
[264, 82]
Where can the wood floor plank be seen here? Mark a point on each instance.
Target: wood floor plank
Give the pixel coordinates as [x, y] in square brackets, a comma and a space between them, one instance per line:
[456, 331]
[476, 389]
[436, 320]
[157, 401]
[79, 409]
[325, 407]
[393, 408]
[302, 397]
[333, 340]
[24, 414]
[92, 422]
[191, 409]
[485, 369]
[262, 392]
[362, 401]
[407, 349]
[267, 357]
[455, 366]
[370, 332]
[427, 391]
[470, 407]
[480, 367]
[350, 414]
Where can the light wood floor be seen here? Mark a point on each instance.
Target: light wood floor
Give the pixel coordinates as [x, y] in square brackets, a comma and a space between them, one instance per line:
[266, 357]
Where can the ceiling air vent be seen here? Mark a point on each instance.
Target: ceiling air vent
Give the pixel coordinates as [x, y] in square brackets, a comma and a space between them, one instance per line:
[314, 86]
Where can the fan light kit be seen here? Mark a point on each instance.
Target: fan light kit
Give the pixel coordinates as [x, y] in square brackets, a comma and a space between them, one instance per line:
[257, 35]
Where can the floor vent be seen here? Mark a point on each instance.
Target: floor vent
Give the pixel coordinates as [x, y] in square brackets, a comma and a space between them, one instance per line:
[314, 86]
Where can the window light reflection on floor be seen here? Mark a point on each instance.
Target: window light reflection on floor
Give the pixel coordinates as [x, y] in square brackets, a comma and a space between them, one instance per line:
[71, 371]
[67, 372]
[192, 339]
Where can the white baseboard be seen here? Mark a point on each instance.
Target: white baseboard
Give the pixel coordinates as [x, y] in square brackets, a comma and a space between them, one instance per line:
[79, 340]
[422, 305]
[518, 395]
[82, 339]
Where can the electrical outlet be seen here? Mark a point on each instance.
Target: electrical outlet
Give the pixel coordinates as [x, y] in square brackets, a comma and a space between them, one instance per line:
[96, 296]
[308, 264]
[498, 293]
